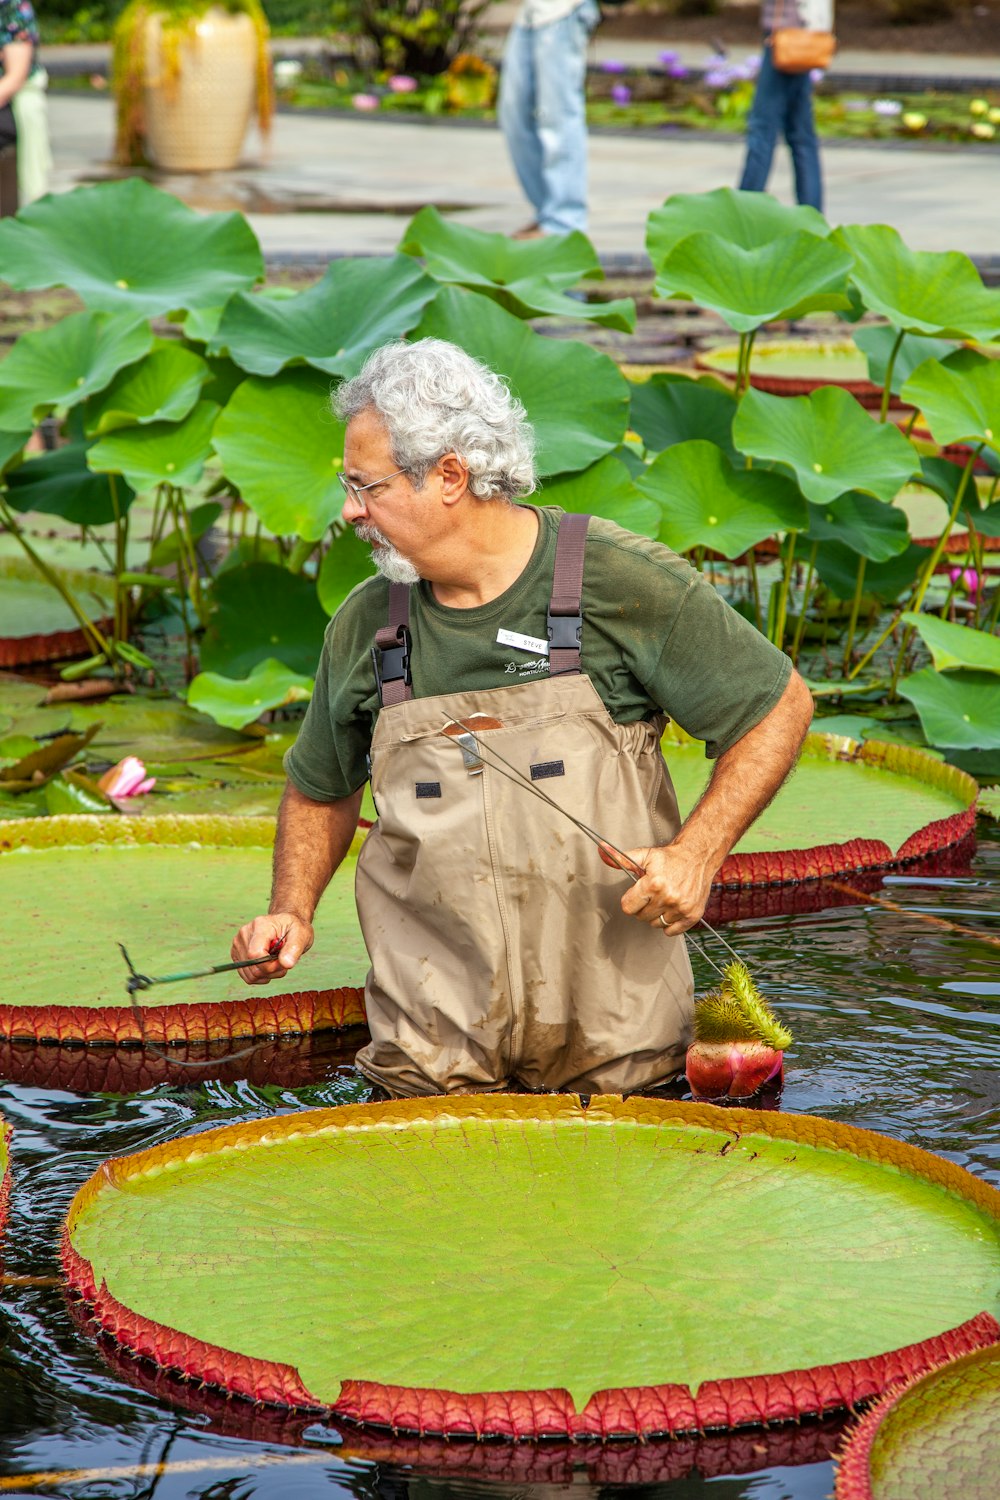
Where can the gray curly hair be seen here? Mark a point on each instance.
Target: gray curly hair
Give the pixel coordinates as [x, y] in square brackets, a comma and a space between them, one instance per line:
[434, 399]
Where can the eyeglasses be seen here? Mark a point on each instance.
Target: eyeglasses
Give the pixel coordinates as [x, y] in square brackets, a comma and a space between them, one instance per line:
[355, 491]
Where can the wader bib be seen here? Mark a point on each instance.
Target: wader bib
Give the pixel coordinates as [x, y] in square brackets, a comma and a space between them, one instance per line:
[501, 956]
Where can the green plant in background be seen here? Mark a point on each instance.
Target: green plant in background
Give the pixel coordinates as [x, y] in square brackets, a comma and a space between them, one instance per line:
[227, 423]
[406, 36]
[178, 22]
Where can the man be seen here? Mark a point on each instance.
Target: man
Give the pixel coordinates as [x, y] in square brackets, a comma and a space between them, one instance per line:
[504, 952]
[542, 110]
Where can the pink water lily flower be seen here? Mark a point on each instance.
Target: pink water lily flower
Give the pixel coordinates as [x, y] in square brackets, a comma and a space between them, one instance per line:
[366, 101]
[967, 579]
[127, 779]
[402, 83]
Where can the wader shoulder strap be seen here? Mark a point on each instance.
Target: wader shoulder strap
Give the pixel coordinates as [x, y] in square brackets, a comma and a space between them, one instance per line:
[565, 618]
[391, 651]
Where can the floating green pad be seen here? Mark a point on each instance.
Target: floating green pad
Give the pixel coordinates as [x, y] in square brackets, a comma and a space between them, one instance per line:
[527, 1245]
[825, 802]
[30, 606]
[793, 361]
[176, 907]
[938, 1440]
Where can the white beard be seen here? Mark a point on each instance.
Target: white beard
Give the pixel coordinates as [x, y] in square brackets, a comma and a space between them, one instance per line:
[390, 563]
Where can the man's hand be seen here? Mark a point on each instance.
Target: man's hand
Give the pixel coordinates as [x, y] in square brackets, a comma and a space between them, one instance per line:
[673, 883]
[256, 938]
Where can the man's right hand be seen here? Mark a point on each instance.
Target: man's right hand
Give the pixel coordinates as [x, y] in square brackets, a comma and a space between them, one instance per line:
[258, 937]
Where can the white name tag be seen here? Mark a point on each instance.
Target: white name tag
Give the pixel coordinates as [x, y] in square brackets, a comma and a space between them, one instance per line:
[523, 642]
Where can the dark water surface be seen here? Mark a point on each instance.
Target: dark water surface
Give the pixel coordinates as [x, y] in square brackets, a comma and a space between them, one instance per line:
[896, 1027]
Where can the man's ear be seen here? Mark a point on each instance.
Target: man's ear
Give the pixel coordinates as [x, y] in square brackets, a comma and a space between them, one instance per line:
[454, 477]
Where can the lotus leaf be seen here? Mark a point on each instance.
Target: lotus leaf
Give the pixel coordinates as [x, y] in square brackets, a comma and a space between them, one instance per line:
[65, 794]
[261, 610]
[154, 729]
[837, 566]
[605, 489]
[828, 440]
[669, 409]
[163, 387]
[707, 503]
[175, 905]
[11, 444]
[576, 398]
[283, 449]
[921, 291]
[877, 344]
[958, 710]
[785, 278]
[938, 1435]
[238, 702]
[528, 278]
[64, 364]
[868, 526]
[987, 521]
[346, 563]
[334, 325]
[566, 1218]
[161, 452]
[956, 645]
[827, 801]
[60, 483]
[960, 400]
[127, 247]
[746, 220]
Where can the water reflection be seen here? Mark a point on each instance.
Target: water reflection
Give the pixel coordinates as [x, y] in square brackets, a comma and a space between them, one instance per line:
[895, 1026]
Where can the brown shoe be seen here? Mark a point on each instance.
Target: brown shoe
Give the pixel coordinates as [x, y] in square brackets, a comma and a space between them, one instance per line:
[529, 232]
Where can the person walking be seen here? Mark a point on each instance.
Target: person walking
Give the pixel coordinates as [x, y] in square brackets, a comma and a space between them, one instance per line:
[542, 110]
[23, 116]
[783, 103]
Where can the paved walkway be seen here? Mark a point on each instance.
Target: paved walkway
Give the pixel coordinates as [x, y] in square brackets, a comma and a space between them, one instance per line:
[333, 185]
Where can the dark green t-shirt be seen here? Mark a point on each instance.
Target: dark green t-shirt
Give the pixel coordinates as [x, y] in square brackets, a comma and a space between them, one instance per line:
[656, 636]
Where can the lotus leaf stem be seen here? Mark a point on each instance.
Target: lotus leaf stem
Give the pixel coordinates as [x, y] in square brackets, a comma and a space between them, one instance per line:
[859, 584]
[755, 588]
[890, 367]
[300, 555]
[786, 578]
[806, 596]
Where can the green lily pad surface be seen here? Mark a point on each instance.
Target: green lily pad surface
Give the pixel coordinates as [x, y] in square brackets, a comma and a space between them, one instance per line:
[827, 801]
[511, 1244]
[938, 1440]
[176, 907]
[791, 362]
[30, 606]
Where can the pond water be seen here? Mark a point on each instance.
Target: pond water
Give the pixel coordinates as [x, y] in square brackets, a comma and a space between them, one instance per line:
[895, 1020]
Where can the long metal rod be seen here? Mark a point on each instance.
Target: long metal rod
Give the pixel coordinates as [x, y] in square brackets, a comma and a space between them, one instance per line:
[499, 763]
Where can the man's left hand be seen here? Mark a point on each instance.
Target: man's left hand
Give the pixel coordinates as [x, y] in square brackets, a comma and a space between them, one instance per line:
[674, 884]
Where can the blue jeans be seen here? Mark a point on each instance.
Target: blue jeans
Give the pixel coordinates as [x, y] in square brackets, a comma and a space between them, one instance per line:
[783, 102]
[543, 117]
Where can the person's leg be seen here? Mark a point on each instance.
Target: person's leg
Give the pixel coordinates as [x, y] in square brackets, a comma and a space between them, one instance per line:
[800, 133]
[766, 115]
[516, 112]
[561, 119]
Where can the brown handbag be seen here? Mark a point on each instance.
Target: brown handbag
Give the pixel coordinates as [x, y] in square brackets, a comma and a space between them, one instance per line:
[798, 49]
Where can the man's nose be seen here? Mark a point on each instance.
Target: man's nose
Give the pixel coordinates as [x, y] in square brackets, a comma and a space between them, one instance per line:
[354, 507]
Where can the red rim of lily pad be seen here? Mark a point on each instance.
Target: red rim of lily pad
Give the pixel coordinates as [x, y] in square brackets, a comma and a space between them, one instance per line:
[261, 1013]
[616, 1412]
[58, 645]
[787, 1445]
[854, 1479]
[824, 861]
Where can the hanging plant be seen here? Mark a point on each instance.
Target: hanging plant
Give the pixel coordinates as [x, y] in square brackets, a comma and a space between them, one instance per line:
[181, 24]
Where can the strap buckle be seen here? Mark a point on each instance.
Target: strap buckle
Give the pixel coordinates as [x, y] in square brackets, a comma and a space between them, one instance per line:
[564, 632]
[392, 663]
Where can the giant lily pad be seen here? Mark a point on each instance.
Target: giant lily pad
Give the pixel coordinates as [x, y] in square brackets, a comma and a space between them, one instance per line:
[281, 446]
[747, 220]
[355, 1259]
[529, 278]
[35, 622]
[785, 278]
[794, 367]
[65, 363]
[576, 398]
[707, 503]
[334, 325]
[938, 1435]
[174, 890]
[921, 291]
[128, 247]
[847, 807]
[828, 440]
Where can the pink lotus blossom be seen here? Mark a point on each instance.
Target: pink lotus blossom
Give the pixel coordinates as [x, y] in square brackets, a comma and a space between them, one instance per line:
[402, 83]
[967, 579]
[365, 101]
[127, 779]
